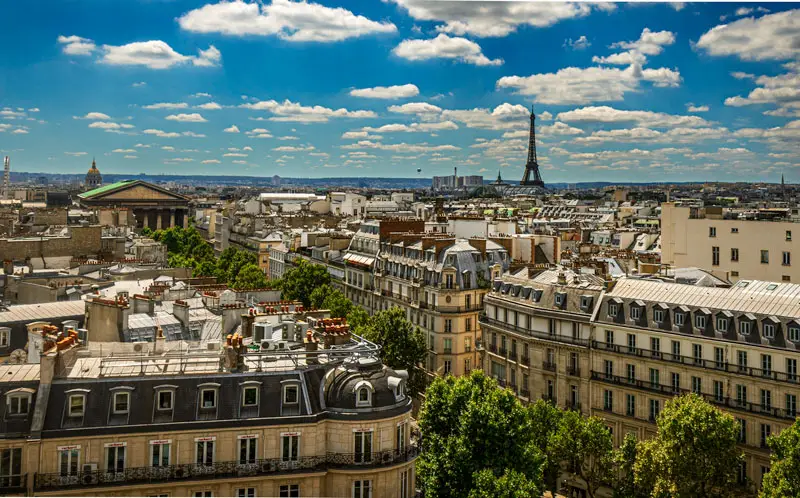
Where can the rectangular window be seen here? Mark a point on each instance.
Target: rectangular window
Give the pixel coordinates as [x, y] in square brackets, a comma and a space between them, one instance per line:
[208, 398]
[165, 400]
[11, 467]
[788, 235]
[115, 459]
[719, 357]
[791, 369]
[636, 312]
[203, 494]
[404, 480]
[655, 409]
[734, 254]
[791, 405]
[741, 359]
[794, 333]
[766, 431]
[248, 450]
[448, 346]
[769, 331]
[766, 364]
[765, 256]
[291, 395]
[4, 339]
[246, 493]
[630, 405]
[632, 341]
[718, 393]
[204, 452]
[697, 353]
[744, 327]
[448, 367]
[289, 491]
[468, 324]
[68, 461]
[654, 377]
[121, 403]
[787, 258]
[676, 382]
[658, 316]
[467, 365]
[608, 400]
[697, 385]
[250, 396]
[612, 310]
[18, 404]
[362, 441]
[448, 325]
[362, 489]
[631, 371]
[655, 347]
[742, 430]
[712, 231]
[715, 256]
[608, 368]
[609, 337]
[679, 317]
[159, 454]
[766, 399]
[400, 436]
[741, 394]
[76, 405]
[676, 350]
[722, 324]
[290, 447]
[700, 321]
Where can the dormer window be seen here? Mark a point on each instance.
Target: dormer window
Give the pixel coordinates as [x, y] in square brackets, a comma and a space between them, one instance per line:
[636, 312]
[559, 299]
[122, 402]
[208, 398]
[537, 295]
[77, 405]
[586, 302]
[612, 310]
[744, 327]
[794, 333]
[165, 399]
[679, 318]
[399, 392]
[250, 396]
[658, 316]
[700, 321]
[363, 392]
[18, 401]
[291, 395]
[4, 337]
[165, 403]
[769, 330]
[722, 324]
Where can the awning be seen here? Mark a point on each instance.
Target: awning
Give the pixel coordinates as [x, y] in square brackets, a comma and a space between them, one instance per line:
[356, 259]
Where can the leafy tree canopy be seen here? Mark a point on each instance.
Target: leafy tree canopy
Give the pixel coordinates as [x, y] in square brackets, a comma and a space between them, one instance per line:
[511, 484]
[402, 344]
[585, 445]
[783, 478]
[300, 281]
[250, 277]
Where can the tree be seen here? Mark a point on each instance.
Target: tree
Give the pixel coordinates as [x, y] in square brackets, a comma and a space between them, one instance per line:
[318, 296]
[358, 318]
[544, 419]
[147, 232]
[402, 344]
[511, 484]
[338, 304]
[585, 445]
[694, 453]
[232, 261]
[783, 478]
[624, 460]
[469, 425]
[301, 280]
[250, 277]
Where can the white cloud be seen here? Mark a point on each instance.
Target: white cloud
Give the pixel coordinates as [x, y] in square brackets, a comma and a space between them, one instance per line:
[292, 21]
[503, 117]
[696, 108]
[258, 133]
[247, 147]
[293, 148]
[124, 151]
[234, 154]
[544, 116]
[648, 119]
[76, 154]
[649, 42]
[288, 137]
[401, 147]
[139, 84]
[210, 57]
[168, 148]
[779, 89]
[182, 159]
[740, 75]
[167, 105]
[210, 161]
[75, 45]
[34, 109]
[581, 43]
[239, 162]
[494, 18]
[201, 95]
[209, 106]
[413, 127]
[20, 131]
[387, 92]
[746, 11]
[295, 112]
[444, 47]
[415, 108]
[360, 135]
[128, 156]
[771, 37]
[572, 85]
[97, 116]
[187, 118]
[108, 125]
[231, 129]
[172, 134]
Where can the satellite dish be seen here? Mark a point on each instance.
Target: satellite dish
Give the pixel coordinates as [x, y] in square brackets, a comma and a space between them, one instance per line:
[18, 357]
[419, 170]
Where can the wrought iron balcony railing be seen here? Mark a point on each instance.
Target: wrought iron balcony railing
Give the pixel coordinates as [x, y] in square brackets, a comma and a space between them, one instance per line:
[13, 484]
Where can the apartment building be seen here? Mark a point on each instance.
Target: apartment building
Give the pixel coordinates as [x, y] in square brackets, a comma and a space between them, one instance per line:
[737, 347]
[536, 335]
[440, 281]
[276, 416]
[735, 244]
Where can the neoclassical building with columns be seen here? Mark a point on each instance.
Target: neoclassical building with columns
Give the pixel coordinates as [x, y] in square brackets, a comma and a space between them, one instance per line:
[153, 206]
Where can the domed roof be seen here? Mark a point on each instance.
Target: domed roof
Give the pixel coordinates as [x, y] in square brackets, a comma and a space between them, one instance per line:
[341, 385]
[93, 170]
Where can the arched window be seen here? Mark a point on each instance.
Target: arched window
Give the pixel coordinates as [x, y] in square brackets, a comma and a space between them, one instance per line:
[363, 392]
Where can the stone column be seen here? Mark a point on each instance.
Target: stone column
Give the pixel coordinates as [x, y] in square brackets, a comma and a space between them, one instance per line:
[159, 215]
[185, 218]
[172, 217]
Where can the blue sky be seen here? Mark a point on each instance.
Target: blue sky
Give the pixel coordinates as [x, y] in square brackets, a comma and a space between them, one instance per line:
[623, 92]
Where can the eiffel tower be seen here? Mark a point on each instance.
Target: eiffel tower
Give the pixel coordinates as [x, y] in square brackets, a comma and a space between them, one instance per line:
[532, 166]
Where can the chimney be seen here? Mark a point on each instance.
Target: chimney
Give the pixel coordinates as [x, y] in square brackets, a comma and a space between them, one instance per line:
[180, 309]
[312, 345]
[440, 244]
[158, 347]
[562, 278]
[479, 244]
[143, 304]
[247, 322]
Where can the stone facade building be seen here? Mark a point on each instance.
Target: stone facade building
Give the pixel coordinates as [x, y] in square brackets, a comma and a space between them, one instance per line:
[153, 206]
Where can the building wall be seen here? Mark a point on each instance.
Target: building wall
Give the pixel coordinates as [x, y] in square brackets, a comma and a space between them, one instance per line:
[81, 242]
[687, 242]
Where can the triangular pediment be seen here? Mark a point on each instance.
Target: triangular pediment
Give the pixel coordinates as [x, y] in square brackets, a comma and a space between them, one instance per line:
[137, 190]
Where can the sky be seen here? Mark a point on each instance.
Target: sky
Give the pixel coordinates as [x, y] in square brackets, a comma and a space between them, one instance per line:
[403, 88]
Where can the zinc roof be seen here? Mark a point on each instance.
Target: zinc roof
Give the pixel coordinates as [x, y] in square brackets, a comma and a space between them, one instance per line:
[42, 311]
[747, 296]
[104, 188]
[19, 373]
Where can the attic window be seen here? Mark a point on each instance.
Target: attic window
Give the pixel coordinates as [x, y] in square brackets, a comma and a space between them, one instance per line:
[399, 392]
[612, 310]
[559, 299]
[586, 302]
[291, 395]
[77, 405]
[794, 333]
[208, 398]
[18, 403]
[769, 330]
[772, 287]
[165, 399]
[363, 390]
[537, 295]
[636, 312]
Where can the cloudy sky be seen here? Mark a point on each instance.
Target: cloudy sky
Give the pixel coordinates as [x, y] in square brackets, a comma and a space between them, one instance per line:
[622, 92]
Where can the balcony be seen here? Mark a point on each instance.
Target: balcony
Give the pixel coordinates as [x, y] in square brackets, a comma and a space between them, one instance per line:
[13, 484]
[482, 318]
[493, 348]
[448, 351]
[723, 402]
[503, 352]
[549, 397]
[574, 406]
[222, 470]
[512, 356]
[525, 393]
[525, 360]
[573, 370]
[547, 365]
[698, 362]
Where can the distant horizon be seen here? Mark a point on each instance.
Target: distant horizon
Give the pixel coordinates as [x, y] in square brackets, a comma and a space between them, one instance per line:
[645, 92]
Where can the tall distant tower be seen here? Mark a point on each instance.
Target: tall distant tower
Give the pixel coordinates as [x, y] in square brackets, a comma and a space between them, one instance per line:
[6, 177]
[532, 166]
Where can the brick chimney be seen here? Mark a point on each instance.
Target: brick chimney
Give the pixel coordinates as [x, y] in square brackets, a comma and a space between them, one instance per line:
[478, 243]
[180, 309]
